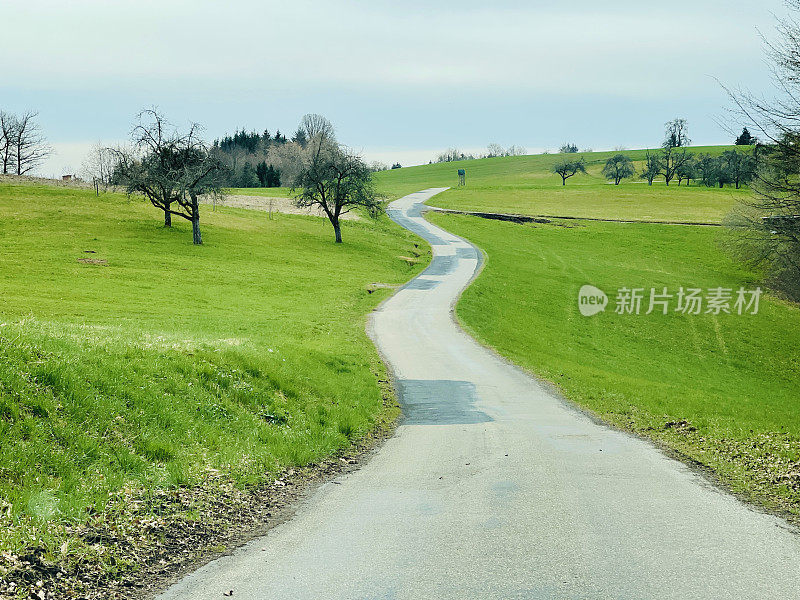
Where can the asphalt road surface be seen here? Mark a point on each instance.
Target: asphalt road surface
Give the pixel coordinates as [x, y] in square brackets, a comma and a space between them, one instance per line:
[493, 487]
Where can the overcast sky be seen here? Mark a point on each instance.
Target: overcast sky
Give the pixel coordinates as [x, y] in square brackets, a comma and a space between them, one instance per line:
[399, 80]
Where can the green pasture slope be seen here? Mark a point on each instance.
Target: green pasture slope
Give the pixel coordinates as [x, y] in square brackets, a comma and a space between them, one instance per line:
[526, 185]
[130, 357]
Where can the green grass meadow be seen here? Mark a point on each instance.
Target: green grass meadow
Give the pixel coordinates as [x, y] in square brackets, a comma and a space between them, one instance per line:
[526, 185]
[130, 357]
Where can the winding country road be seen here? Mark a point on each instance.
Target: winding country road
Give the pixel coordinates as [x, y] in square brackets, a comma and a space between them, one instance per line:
[493, 487]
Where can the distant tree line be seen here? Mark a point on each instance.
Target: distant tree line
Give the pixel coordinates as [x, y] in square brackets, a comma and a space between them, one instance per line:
[674, 162]
[492, 151]
[22, 144]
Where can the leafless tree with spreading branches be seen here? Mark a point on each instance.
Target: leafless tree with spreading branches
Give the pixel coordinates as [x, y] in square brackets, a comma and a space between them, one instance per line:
[8, 127]
[22, 144]
[171, 169]
[335, 180]
[765, 230]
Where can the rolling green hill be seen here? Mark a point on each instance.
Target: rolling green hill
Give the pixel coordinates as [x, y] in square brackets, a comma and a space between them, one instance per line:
[526, 185]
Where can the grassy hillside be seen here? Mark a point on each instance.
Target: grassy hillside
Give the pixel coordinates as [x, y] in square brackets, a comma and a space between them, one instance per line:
[526, 185]
[131, 358]
[724, 390]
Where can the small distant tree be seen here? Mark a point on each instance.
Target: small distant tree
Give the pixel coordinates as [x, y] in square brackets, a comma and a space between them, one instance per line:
[100, 167]
[8, 127]
[723, 172]
[687, 170]
[677, 133]
[651, 168]
[568, 168]
[745, 138]
[316, 127]
[376, 166]
[335, 180]
[171, 169]
[569, 148]
[740, 166]
[674, 154]
[494, 150]
[397, 166]
[618, 167]
[706, 168]
[28, 146]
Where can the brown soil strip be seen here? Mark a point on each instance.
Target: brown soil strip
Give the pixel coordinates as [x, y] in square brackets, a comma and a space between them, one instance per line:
[546, 218]
[272, 204]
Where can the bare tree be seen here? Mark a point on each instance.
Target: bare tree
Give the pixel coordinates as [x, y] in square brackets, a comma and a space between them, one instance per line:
[740, 166]
[316, 127]
[494, 150]
[674, 154]
[568, 168]
[99, 166]
[8, 129]
[687, 171]
[677, 133]
[707, 169]
[651, 168]
[673, 158]
[618, 167]
[765, 230]
[28, 145]
[335, 180]
[169, 168]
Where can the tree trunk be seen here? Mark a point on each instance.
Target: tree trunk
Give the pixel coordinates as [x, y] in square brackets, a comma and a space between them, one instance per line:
[196, 221]
[196, 230]
[167, 219]
[563, 180]
[337, 230]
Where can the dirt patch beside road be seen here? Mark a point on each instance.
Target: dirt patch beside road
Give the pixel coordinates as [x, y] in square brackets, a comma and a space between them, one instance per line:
[273, 204]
